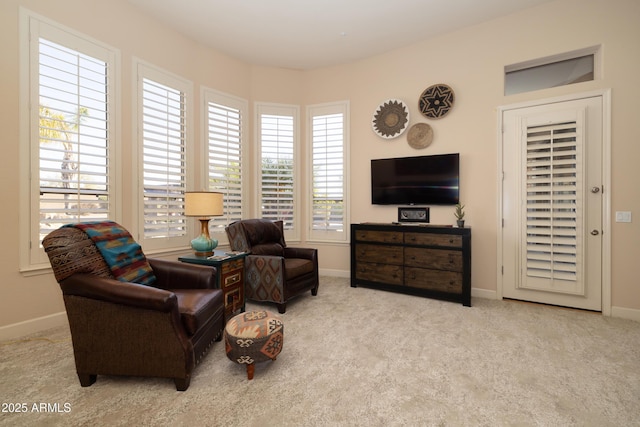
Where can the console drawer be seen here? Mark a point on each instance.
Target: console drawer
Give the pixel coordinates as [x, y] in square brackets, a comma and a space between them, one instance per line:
[382, 273]
[379, 236]
[230, 266]
[229, 280]
[439, 259]
[449, 240]
[434, 280]
[378, 253]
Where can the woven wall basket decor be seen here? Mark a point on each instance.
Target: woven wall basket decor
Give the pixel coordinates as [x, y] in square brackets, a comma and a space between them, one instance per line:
[420, 135]
[391, 119]
[436, 101]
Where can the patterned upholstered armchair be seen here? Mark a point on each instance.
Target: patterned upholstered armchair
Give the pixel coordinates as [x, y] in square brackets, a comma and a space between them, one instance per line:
[273, 271]
[130, 315]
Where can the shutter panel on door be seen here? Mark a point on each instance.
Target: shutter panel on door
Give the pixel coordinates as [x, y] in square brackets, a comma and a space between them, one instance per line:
[553, 224]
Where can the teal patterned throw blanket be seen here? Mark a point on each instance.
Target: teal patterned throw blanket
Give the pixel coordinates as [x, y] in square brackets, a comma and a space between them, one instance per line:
[121, 253]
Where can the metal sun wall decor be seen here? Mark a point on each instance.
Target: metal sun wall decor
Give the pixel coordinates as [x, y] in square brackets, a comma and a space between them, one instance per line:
[390, 119]
[436, 101]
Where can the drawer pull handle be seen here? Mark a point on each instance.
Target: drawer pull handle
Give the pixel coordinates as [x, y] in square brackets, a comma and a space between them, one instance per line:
[232, 279]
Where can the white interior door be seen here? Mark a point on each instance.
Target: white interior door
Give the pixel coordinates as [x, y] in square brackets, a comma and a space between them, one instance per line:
[552, 203]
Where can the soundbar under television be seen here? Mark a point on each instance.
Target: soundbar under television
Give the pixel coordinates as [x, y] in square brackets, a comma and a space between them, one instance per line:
[421, 180]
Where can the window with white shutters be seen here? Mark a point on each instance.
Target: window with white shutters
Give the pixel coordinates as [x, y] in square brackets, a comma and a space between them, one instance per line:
[72, 127]
[278, 139]
[553, 198]
[328, 174]
[163, 129]
[226, 133]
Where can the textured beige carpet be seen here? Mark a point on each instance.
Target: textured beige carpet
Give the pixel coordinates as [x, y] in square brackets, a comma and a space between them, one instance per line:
[362, 357]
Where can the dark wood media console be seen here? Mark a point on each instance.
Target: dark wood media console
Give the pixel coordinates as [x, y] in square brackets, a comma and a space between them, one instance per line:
[429, 261]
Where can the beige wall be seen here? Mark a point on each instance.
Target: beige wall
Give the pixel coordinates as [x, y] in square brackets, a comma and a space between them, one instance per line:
[470, 61]
[116, 23]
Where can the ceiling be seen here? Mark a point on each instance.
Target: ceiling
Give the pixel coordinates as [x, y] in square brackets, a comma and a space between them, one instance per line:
[308, 34]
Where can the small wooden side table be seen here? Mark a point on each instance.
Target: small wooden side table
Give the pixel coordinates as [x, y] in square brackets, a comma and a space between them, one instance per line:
[229, 277]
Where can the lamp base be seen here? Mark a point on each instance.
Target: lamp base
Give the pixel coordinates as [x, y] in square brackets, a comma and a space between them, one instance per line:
[204, 245]
[203, 254]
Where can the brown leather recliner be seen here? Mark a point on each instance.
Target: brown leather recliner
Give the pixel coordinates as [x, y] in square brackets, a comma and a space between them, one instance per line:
[274, 271]
[122, 328]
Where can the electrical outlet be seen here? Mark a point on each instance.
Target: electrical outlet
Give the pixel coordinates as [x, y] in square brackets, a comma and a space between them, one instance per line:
[623, 216]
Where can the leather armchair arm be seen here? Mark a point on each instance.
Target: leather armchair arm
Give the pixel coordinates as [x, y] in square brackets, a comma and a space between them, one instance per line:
[114, 291]
[181, 275]
[304, 253]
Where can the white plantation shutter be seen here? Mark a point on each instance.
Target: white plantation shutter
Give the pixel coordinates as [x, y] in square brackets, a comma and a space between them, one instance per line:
[164, 160]
[553, 202]
[225, 134]
[277, 168]
[327, 172]
[71, 128]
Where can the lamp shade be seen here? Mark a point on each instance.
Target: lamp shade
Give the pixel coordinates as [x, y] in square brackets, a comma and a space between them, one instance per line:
[203, 203]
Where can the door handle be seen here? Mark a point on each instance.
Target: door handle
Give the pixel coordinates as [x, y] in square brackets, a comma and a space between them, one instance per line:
[595, 189]
[594, 232]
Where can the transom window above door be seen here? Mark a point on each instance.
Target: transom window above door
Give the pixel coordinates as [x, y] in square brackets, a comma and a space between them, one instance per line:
[558, 70]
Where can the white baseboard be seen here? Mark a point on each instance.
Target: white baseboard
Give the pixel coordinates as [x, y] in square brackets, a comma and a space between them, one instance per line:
[31, 326]
[334, 273]
[483, 293]
[626, 313]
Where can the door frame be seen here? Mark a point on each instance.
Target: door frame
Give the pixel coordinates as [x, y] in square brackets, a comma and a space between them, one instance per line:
[605, 95]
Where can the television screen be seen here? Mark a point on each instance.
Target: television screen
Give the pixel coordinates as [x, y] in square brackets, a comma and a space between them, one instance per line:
[426, 180]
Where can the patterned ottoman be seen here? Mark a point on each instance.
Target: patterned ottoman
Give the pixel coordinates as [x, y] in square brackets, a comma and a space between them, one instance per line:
[254, 336]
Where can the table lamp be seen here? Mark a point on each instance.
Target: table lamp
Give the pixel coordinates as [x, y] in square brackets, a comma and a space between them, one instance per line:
[203, 204]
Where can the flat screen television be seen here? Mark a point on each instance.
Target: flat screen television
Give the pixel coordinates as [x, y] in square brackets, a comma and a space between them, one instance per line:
[421, 180]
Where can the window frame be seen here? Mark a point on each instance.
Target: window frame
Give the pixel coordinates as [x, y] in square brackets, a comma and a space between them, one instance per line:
[208, 96]
[312, 111]
[32, 27]
[144, 70]
[292, 234]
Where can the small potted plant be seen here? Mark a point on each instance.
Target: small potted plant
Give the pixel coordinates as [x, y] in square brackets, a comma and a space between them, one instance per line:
[459, 214]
